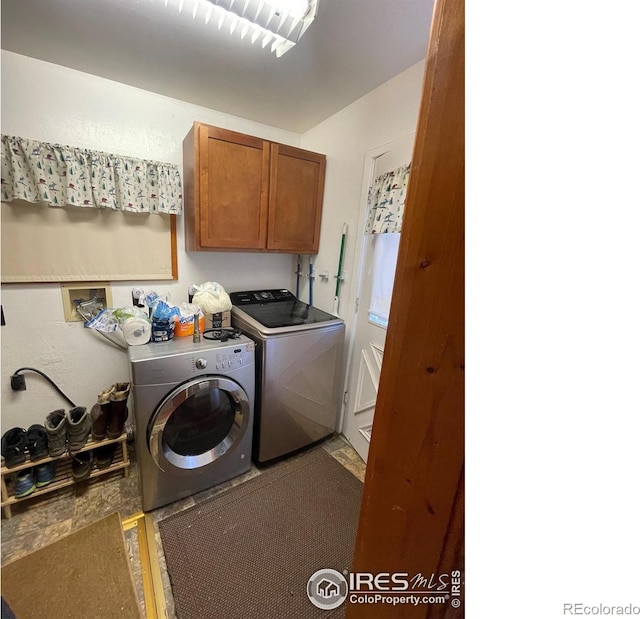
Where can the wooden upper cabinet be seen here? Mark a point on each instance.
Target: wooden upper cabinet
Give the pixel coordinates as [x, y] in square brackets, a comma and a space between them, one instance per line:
[247, 194]
[296, 188]
[226, 189]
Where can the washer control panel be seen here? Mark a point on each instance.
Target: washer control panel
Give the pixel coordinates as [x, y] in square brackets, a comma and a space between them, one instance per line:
[253, 297]
[174, 361]
[230, 359]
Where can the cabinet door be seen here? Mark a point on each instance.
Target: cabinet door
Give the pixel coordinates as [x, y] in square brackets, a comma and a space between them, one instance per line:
[296, 188]
[234, 179]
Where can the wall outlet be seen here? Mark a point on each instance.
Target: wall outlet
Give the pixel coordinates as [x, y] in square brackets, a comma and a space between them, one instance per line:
[18, 382]
[138, 297]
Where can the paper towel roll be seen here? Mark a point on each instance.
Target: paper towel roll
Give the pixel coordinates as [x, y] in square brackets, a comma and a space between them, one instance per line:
[136, 331]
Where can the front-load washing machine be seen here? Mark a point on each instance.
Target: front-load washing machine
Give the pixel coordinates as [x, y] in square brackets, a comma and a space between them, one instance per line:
[193, 413]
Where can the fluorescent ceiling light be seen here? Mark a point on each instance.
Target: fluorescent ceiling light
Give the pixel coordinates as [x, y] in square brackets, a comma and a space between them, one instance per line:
[277, 23]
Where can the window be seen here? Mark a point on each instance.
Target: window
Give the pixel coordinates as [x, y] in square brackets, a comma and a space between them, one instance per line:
[385, 256]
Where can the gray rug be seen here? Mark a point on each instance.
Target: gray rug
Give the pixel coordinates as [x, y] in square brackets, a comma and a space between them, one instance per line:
[249, 552]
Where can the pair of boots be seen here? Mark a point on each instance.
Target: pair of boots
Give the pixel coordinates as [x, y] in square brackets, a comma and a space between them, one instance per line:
[67, 431]
[82, 463]
[110, 412]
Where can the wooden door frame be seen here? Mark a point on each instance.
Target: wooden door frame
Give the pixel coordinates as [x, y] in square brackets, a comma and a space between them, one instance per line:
[412, 512]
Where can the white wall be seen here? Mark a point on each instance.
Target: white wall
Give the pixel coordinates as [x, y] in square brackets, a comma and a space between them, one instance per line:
[383, 115]
[51, 103]
[54, 104]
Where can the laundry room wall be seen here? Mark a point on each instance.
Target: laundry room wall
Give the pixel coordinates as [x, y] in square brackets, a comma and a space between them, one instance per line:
[381, 116]
[50, 103]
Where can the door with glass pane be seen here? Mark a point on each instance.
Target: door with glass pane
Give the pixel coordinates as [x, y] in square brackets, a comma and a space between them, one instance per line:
[379, 250]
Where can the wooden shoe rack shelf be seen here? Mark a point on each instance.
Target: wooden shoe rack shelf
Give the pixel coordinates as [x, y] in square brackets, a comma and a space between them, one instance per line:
[64, 475]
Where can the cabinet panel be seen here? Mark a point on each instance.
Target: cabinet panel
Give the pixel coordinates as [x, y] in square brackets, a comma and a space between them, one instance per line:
[233, 195]
[295, 199]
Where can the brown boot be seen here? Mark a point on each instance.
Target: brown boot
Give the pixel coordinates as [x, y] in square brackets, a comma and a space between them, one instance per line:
[100, 415]
[119, 411]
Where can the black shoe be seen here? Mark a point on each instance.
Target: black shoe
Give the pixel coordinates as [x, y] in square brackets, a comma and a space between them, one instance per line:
[14, 446]
[81, 465]
[37, 442]
[104, 455]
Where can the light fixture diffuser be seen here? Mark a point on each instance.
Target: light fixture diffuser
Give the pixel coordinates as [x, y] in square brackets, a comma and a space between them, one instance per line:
[280, 23]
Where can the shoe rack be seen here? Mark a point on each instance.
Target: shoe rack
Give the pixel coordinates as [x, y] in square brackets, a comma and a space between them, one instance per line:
[64, 475]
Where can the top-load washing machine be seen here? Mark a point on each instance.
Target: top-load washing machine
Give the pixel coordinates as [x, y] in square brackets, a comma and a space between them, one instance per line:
[299, 367]
[193, 412]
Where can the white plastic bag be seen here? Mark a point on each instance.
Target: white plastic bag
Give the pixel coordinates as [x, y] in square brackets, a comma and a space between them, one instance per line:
[212, 298]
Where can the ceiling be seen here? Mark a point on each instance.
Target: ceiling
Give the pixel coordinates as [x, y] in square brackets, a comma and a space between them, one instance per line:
[352, 47]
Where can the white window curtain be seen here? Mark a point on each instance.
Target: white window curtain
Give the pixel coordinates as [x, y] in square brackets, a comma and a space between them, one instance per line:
[64, 175]
[386, 201]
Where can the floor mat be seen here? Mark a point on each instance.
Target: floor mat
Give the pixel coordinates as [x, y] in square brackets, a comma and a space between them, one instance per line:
[249, 552]
[85, 574]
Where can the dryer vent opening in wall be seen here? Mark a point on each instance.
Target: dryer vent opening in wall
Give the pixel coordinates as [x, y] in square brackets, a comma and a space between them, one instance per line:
[81, 292]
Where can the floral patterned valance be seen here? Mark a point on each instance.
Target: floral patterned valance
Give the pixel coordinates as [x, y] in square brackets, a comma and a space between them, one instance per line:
[64, 175]
[386, 201]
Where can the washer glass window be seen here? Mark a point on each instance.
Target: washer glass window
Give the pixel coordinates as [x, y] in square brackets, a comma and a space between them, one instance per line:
[200, 423]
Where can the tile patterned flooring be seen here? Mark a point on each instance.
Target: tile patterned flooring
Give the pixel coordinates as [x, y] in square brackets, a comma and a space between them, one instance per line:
[40, 521]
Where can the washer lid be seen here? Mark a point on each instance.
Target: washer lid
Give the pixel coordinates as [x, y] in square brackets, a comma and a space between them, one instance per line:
[279, 308]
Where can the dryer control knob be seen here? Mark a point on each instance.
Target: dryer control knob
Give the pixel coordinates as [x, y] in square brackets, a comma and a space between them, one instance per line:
[201, 363]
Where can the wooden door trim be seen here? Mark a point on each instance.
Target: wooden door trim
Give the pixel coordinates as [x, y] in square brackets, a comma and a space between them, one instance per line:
[412, 499]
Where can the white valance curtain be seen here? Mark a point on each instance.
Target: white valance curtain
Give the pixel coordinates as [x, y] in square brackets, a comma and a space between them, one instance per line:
[65, 175]
[386, 201]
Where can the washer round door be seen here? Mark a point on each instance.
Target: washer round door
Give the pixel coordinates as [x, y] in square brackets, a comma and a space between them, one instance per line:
[197, 423]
